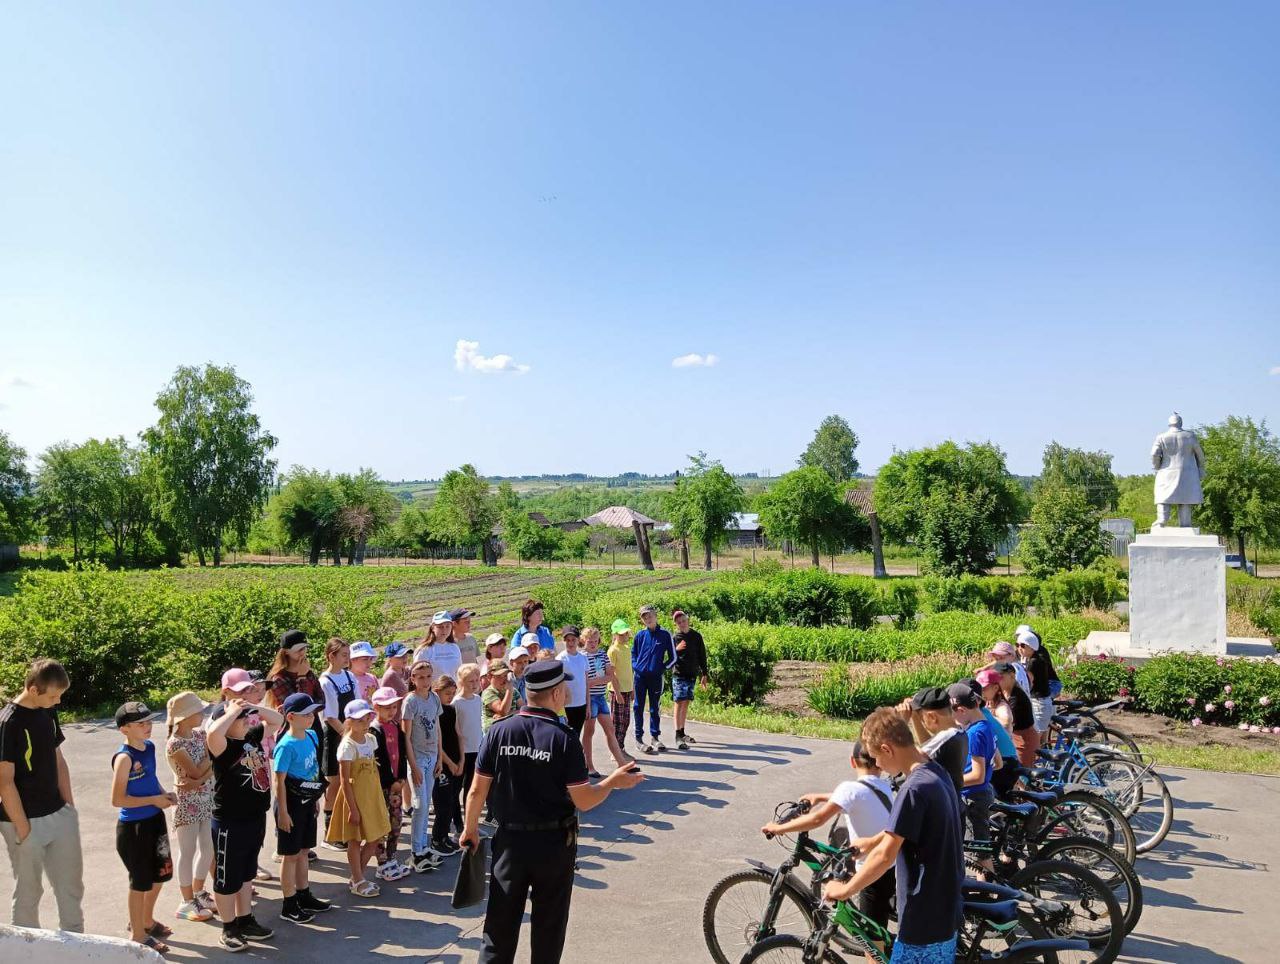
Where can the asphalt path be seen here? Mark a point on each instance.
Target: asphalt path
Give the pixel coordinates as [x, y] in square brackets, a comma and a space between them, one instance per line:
[649, 856]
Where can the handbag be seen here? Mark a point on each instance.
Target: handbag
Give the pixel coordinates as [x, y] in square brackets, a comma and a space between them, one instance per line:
[469, 888]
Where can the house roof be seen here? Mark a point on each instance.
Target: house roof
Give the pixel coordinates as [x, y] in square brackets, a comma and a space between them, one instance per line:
[861, 498]
[618, 517]
[539, 518]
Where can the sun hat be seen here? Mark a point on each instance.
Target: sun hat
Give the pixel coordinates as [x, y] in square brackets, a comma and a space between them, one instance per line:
[385, 696]
[293, 639]
[237, 680]
[620, 626]
[133, 712]
[299, 703]
[183, 705]
[360, 649]
[1002, 648]
[987, 677]
[358, 710]
[546, 675]
[443, 616]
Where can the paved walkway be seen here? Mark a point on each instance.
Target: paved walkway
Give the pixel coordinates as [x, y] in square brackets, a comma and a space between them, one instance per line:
[649, 856]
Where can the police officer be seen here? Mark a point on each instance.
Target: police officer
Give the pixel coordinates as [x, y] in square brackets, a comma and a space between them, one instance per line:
[532, 773]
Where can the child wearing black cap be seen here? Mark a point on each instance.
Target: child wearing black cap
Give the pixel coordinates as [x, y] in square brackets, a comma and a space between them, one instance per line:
[142, 836]
[296, 769]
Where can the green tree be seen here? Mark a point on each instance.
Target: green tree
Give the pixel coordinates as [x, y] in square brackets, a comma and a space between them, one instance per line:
[1137, 500]
[576, 545]
[529, 540]
[64, 488]
[807, 506]
[306, 511]
[956, 503]
[833, 449]
[367, 508]
[1241, 481]
[1065, 532]
[16, 501]
[465, 512]
[211, 456]
[704, 503]
[508, 500]
[1089, 471]
[119, 496]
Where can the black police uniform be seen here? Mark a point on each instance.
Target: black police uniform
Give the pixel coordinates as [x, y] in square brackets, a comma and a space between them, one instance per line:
[532, 759]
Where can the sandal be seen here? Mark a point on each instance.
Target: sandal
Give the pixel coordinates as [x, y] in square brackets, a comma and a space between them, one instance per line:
[365, 888]
[159, 931]
[157, 945]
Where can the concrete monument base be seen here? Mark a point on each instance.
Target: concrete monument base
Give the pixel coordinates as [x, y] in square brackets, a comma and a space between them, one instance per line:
[1120, 646]
[1177, 592]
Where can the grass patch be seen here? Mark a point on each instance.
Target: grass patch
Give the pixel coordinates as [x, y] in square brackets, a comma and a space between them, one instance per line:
[773, 721]
[1222, 758]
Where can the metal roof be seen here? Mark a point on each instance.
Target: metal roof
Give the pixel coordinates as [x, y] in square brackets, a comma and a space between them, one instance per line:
[618, 517]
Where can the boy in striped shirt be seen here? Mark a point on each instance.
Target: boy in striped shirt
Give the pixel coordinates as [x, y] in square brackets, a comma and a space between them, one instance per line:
[600, 673]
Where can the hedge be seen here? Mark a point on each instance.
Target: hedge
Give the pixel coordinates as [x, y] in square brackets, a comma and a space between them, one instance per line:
[852, 697]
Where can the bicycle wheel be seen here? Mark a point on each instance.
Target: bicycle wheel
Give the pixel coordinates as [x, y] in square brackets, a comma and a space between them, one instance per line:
[1092, 912]
[1111, 868]
[736, 914]
[1083, 813]
[979, 939]
[785, 949]
[1119, 739]
[1138, 791]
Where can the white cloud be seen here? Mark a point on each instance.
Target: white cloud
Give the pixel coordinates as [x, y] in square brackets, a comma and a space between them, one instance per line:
[466, 357]
[1275, 370]
[694, 360]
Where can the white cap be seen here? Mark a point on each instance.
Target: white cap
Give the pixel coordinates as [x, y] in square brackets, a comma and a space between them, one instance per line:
[515, 651]
[1029, 638]
[362, 648]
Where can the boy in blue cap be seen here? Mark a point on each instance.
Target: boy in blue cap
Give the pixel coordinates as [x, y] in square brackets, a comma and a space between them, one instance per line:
[295, 767]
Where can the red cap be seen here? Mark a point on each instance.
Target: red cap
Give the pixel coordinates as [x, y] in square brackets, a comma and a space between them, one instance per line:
[677, 614]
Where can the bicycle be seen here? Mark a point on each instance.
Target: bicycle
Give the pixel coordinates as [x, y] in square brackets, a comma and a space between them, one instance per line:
[1110, 735]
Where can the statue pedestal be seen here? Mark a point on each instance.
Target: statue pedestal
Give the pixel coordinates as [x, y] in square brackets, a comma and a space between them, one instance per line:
[1177, 592]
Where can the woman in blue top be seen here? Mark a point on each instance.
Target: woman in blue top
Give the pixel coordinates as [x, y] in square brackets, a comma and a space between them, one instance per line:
[142, 836]
[531, 631]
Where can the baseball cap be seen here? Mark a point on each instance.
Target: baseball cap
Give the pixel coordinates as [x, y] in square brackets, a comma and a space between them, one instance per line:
[677, 614]
[133, 712]
[1004, 668]
[292, 639]
[395, 649]
[515, 652]
[299, 703]
[362, 648]
[546, 675]
[931, 698]
[184, 705]
[962, 694]
[1002, 648]
[648, 610]
[443, 616]
[456, 614]
[498, 669]
[358, 710]
[988, 677]
[570, 631]
[620, 626]
[237, 680]
[494, 638]
[384, 696]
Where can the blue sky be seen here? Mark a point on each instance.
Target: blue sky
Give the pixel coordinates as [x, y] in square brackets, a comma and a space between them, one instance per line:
[1007, 221]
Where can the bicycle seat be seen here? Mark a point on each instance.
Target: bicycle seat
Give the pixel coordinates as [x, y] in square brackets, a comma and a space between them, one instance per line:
[1023, 810]
[1041, 797]
[997, 912]
[1070, 704]
[989, 889]
[1078, 732]
[1066, 719]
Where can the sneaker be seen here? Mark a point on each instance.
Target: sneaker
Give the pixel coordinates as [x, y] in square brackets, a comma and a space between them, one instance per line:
[392, 870]
[689, 739]
[489, 822]
[660, 745]
[232, 941]
[424, 863]
[192, 910]
[316, 905]
[297, 915]
[334, 846]
[650, 748]
[445, 847]
[681, 744]
[312, 855]
[251, 930]
[205, 900]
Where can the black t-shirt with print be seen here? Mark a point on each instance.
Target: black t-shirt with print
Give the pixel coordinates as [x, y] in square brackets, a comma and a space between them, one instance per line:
[241, 782]
[1020, 705]
[29, 739]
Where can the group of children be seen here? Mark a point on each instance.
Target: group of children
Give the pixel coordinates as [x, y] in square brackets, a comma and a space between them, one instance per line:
[340, 758]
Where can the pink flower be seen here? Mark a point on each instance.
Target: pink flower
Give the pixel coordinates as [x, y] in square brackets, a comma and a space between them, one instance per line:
[1255, 729]
[1227, 688]
[1210, 707]
[1230, 704]
[1102, 657]
[1197, 721]
[1124, 691]
[1191, 701]
[1264, 700]
[1221, 662]
[1275, 729]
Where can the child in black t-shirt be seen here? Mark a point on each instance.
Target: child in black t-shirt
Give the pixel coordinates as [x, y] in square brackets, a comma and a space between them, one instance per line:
[241, 798]
[444, 797]
[142, 836]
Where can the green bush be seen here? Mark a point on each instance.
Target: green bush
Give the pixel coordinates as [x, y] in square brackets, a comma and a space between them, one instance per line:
[741, 670]
[1070, 591]
[1187, 686]
[849, 697]
[1097, 680]
[903, 603]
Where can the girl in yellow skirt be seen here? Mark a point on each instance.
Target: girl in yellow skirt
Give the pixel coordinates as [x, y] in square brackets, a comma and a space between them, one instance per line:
[360, 814]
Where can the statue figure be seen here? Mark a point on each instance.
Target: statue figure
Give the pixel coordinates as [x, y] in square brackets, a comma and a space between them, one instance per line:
[1179, 465]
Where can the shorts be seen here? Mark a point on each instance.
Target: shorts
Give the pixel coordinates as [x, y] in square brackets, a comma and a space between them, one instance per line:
[941, 952]
[143, 846]
[303, 835]
[1042, 711]
[682, 689]
[977, 808]
[598, 705]
[876, 901]
[236, 844]
[329, 758]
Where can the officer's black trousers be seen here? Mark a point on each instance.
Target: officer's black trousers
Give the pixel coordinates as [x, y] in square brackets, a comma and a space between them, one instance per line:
[537, 864]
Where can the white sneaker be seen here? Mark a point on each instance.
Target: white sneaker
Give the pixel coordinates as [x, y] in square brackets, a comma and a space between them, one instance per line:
[392, 870]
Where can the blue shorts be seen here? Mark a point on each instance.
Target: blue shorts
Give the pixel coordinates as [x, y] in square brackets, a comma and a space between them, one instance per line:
[599, 705]
[942, 952]
[682, 689]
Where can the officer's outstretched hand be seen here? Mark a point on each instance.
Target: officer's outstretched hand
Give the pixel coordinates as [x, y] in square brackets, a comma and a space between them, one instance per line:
[623, 778]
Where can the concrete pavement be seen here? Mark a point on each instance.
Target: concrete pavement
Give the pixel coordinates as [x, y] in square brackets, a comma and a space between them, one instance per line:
[650, 855]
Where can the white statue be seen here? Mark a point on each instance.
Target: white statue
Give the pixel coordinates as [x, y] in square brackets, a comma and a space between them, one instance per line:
[1179, 465]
